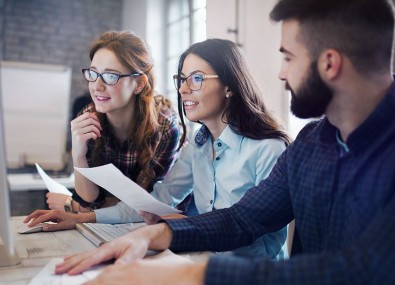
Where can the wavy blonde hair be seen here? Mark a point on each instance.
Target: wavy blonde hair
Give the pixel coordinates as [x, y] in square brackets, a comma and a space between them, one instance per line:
[144, 133]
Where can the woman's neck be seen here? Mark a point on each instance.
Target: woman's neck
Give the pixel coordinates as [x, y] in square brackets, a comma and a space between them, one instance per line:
[215, 128]
[121, 122]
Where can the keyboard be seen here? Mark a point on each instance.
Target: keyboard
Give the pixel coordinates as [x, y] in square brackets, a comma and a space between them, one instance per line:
[98, 233]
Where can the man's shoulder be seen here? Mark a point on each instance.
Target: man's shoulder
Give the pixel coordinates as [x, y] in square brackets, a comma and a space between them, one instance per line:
[311, 129]
[307, 138]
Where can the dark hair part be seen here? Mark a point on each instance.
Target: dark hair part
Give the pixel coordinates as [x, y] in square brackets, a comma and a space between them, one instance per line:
[145, 131]
[361, 29]
[246, 113]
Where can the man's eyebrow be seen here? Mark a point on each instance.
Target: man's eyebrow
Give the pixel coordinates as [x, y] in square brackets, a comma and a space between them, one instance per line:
[283, 50]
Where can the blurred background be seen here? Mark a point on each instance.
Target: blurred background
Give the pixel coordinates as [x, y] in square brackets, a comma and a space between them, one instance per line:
[51, 37]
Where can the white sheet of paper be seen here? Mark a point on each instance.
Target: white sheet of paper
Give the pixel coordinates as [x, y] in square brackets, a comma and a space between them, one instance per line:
[47, 275]
[113, 180]
[52, 185]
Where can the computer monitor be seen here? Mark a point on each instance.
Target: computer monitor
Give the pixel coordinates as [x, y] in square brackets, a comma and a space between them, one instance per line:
[8, 255]
[36, 114]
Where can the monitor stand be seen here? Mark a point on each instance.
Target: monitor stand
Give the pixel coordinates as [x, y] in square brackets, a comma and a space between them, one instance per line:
[6, 259]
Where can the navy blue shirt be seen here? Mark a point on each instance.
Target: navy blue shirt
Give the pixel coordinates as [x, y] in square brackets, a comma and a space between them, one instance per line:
[342, 199]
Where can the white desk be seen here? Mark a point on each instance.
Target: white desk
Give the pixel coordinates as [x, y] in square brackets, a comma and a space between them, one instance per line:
[30, 181]
[36, 250]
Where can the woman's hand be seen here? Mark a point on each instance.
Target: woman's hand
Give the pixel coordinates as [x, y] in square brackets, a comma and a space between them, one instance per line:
[83, 128]
[56, 201]
[62, 220]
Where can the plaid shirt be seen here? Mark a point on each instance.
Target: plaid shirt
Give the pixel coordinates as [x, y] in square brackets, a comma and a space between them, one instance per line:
[341, 198]
[125, 156]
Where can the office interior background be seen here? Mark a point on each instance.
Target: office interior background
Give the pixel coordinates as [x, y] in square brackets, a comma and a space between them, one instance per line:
[60, 33]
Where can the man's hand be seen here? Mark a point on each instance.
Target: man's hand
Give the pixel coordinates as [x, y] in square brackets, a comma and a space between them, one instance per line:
[63, 220]
[150, 272]
[124, 250]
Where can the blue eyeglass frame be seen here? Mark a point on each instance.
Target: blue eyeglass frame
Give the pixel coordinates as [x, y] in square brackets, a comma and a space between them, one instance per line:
[178, 80]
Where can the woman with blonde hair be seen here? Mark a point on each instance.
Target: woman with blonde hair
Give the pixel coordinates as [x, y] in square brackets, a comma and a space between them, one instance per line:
[127, 124]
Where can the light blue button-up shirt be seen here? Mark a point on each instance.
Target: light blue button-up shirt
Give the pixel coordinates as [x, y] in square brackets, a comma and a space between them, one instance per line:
[217, 182]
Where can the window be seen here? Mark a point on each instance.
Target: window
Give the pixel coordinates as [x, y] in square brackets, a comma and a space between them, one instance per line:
[185, 25]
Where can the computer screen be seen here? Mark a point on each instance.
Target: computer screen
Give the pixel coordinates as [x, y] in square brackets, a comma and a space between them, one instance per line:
[8, 255]
[36, 113]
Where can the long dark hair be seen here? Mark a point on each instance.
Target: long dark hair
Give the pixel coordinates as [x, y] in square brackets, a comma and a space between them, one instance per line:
[246, 113]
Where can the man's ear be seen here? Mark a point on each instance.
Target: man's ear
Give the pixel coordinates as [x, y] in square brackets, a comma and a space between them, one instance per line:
[330, 63]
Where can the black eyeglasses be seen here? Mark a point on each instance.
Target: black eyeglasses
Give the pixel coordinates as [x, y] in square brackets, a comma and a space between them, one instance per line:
[108, 78]
[194, 81]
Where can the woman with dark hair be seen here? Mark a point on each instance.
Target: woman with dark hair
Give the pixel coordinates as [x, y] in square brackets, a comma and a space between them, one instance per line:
[245, 111]
[237, 144]
[127, 124]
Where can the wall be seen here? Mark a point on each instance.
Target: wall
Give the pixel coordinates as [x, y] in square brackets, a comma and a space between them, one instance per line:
[1, 28]
[147, 19]
[134, 16]
[156, 38]
[259, 39]
[56, 32]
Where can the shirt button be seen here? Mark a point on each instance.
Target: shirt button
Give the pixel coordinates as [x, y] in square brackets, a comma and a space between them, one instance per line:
[211, 201]
[217, 158]
[219, 144]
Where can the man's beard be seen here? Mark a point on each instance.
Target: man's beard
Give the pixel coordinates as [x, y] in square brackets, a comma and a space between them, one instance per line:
[313, 96]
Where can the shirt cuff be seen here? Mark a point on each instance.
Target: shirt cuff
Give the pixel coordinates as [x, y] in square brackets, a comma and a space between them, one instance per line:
[184, 234]
[118, 214]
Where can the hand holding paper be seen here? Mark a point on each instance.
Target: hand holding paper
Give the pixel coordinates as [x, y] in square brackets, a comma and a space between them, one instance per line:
[112, 179]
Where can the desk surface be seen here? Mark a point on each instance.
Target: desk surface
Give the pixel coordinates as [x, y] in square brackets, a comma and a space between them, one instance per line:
[36, 250]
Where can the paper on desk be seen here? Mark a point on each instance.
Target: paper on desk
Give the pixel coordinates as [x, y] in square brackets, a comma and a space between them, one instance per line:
[47, 275]
[52, 185]
[112, 179]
